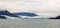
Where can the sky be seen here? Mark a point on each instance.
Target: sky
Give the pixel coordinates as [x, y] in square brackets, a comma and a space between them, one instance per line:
[38, 6]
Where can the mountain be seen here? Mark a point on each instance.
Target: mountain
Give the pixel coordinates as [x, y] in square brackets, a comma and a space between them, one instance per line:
[58, 17]
[5, 12]
[26, 14]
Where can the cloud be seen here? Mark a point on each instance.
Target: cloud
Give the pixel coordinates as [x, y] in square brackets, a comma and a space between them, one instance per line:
[38, 6]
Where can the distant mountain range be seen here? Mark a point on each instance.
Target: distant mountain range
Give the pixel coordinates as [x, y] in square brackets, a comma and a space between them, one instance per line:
[26, 14]
[5, 12]
[19, 14]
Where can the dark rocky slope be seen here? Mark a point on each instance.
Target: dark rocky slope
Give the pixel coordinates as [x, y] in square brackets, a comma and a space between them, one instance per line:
[58, 17]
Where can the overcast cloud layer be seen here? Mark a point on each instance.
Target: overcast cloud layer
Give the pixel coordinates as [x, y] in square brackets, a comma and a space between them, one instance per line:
[45, 7]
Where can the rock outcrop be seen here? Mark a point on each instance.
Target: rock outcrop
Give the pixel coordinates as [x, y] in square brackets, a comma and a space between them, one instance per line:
[2, 17]
[58, 17]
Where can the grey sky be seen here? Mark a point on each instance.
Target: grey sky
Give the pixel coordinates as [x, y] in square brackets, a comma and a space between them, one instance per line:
[39, 6]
